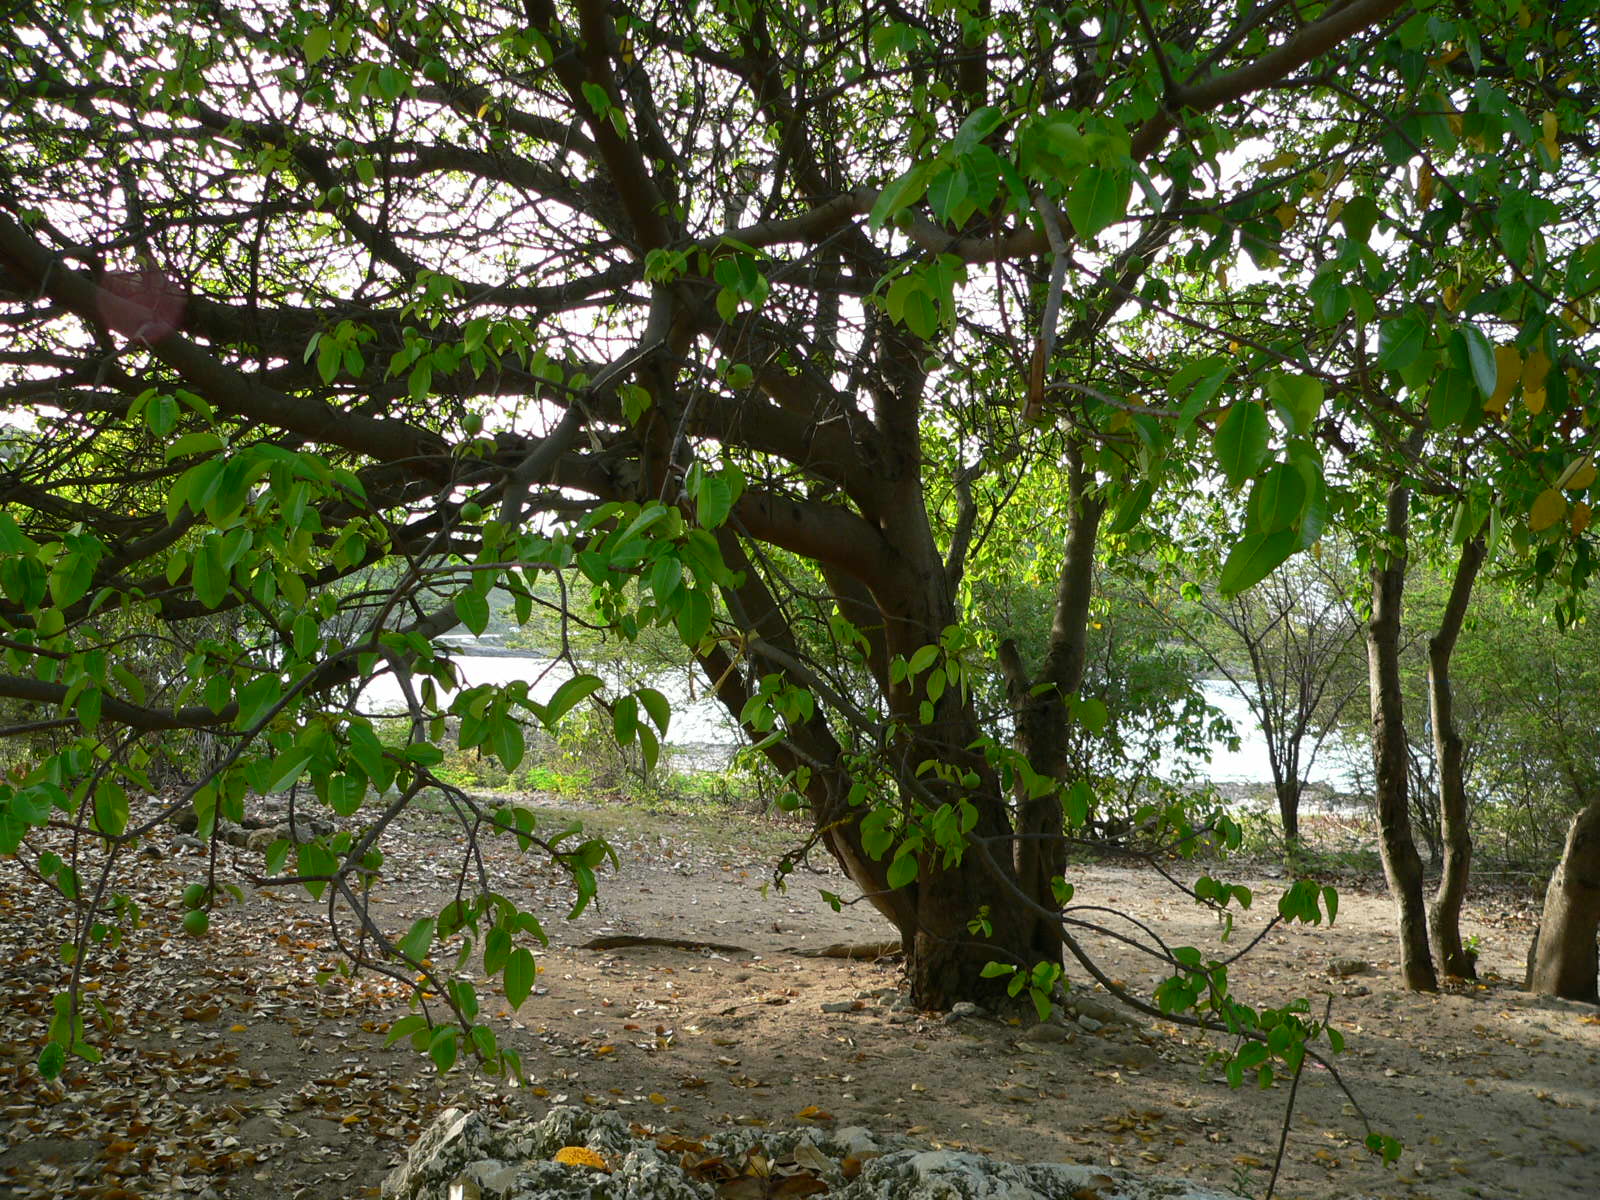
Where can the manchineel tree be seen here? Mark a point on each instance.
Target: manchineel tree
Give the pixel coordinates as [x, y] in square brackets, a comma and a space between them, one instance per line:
[323, 321]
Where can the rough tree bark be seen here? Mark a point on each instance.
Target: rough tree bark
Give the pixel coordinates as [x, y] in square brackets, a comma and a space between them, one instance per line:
[1401, 863]
[1564, 961]
[1444, 914]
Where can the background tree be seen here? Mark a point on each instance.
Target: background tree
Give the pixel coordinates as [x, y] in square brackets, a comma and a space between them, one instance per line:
[1285, 647]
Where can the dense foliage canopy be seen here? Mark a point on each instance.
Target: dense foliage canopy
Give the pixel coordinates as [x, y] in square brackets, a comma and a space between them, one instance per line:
[790, 328]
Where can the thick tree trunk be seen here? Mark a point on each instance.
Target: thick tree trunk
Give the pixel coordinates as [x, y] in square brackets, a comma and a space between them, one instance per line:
[1444, 915]
[1401, 863]
[1564, 961]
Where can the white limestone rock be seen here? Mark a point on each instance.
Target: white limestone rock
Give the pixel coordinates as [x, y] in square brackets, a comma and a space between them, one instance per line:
[463, 1157]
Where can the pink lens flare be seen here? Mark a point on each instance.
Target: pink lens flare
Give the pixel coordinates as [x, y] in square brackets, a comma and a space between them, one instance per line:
[145, 304]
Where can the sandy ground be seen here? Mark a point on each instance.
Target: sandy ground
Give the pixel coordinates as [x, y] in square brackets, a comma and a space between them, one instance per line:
[233, 1070]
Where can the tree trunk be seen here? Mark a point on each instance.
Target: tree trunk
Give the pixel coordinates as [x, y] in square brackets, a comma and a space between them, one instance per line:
[1041, 730]
[1401, 863]
[1444, 915]
[1288, 790]
[1564, 961]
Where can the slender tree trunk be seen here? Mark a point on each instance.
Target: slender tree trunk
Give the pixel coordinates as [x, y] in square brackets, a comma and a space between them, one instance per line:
[1444, 915]
[1040, 854]
[1401, 863]
[1564, 961]
[1289, 789]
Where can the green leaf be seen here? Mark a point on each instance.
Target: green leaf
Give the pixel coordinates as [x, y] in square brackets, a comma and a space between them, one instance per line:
[1240, 443]
[1401, 340]
[473, 610]
[418, 940]
[1298, 399]
[1359, 216]
[317, 44]
[1098, 198]
[203, 442]
[345, 793]
[1452, 400]
[442, 1046]
[496, 950]
[51, 1059]
[902, 870]
[1480, 356]
[1277, 499]
[1130, 508]
[405, 1027]
[694, 618]
[286, 769]
[508, 743]
[1253, 559]
[519, 976]
[1091, 713]
[569, 695]
[656, 705]
[996, 970]
[110, 808]
[902, 193]
[921, 313]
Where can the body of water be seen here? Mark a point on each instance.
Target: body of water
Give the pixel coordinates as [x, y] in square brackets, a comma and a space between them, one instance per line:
[704, 734]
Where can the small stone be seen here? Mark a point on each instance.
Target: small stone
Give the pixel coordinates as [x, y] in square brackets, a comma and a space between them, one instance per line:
[1343, 968]
[966, 1008]
[839, 1006]
[1090, 1025]
[1046, 1031]
[260, 839]
[152, 851]
[901, 1018]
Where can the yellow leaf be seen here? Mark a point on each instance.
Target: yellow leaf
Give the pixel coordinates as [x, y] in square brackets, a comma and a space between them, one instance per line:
[236, 1028]
[1282, 161]
[1507, 374]
[1551, 126]
[1534, 401]
[657, 1098]
[1451, 297]
[1535, 369]
[579, 1156]
[1334, 210]
[1579, 474]
[1424, 185]
[1286, 215]
[1582, 514]
[1549, 508]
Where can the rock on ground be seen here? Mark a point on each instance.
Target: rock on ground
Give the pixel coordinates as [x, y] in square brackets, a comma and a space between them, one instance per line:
[462, 1156]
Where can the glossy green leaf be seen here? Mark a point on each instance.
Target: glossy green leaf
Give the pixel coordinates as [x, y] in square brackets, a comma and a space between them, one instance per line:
[1098, 198]
[1254, 558]
[1277, 499]
[569, 695]
[1240, 442]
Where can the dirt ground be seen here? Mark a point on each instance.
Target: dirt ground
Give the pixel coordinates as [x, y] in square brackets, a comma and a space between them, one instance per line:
[233, 1070]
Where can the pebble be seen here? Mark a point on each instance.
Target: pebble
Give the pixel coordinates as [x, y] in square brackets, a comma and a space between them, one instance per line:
[839, 1006]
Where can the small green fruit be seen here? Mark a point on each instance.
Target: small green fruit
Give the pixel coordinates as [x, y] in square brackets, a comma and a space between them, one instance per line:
[197, 922]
